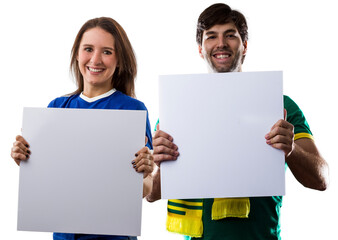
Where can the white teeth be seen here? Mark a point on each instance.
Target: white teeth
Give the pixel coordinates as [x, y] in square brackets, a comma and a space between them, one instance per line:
[221, 56]
[95, 70]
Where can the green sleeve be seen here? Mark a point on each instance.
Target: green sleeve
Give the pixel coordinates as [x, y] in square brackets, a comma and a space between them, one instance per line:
[158, 121]
[296, 117]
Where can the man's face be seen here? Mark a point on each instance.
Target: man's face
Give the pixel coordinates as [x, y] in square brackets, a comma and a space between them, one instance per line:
[222, 48]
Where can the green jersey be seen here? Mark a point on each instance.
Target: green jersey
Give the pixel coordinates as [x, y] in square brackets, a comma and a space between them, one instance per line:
[264, 218]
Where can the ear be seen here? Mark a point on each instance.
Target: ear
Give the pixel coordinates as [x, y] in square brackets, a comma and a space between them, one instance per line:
[245, 44]
[200, 51]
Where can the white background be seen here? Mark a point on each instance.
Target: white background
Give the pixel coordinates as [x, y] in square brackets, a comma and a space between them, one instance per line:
[298, 37]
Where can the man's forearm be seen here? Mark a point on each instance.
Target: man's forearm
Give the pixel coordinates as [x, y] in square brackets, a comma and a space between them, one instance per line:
[308, 167]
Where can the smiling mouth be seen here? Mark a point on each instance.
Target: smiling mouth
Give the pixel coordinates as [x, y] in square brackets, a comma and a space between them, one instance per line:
[221, 56]
[95, 70]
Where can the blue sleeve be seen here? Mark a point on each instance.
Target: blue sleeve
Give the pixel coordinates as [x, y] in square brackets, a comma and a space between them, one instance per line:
[141, 106]
[51, 104]
[57, 102]
[148, 134]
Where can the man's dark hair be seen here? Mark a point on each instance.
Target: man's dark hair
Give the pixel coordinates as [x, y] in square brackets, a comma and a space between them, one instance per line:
[221, 13]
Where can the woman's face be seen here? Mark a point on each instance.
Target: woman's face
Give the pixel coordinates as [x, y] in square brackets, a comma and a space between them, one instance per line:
[97, 59]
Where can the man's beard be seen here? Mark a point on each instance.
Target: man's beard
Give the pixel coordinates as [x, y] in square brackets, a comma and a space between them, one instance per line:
[235, 65]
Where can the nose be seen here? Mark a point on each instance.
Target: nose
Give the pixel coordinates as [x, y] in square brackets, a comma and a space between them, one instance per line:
[221, 42]
[96, 58]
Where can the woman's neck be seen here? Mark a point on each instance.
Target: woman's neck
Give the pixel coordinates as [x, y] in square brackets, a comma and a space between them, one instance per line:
[91, 92]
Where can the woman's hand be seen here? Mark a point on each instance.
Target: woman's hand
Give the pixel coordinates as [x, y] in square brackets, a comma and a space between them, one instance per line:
[144, 162]
[20, 150]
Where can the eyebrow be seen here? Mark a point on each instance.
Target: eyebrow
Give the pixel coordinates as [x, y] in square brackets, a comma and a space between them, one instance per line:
[90, 45]
[226, 32]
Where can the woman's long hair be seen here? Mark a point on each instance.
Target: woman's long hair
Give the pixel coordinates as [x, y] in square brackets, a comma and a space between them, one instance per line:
[125, 73]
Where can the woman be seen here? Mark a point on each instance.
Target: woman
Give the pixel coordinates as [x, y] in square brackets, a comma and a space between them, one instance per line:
[104, 66]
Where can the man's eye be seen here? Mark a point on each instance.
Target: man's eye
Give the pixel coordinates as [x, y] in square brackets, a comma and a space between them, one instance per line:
[230, 36]
[211, 37]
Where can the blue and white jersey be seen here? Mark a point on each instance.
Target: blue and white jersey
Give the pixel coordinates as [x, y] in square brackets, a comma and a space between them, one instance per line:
[110, 100]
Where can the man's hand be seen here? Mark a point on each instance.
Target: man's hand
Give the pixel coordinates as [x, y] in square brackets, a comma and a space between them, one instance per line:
[164, 148]
[281, 136]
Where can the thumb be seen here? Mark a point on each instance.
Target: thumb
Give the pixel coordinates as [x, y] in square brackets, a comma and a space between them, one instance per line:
[146, 140]
[285, 114]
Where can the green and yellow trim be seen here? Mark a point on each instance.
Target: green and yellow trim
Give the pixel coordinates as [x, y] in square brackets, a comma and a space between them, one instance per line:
[303, 135]
[230, 207]
[185, 217]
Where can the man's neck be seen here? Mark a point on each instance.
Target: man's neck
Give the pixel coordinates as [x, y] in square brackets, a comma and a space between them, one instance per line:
[211, 70]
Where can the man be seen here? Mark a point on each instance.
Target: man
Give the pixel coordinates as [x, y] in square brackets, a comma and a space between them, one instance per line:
[222, 42]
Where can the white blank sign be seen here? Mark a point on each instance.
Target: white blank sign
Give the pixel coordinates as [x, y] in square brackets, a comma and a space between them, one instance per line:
[79, 177]
[219, 121]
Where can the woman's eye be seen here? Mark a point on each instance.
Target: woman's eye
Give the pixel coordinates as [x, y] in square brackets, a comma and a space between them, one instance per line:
[88, 49]
[107, 52]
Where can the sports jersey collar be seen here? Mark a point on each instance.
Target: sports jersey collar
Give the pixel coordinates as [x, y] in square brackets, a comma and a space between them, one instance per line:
[93, 99]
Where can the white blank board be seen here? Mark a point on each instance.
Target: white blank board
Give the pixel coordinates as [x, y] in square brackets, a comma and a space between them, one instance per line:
[219, 122]
[79, 177]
